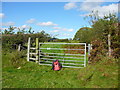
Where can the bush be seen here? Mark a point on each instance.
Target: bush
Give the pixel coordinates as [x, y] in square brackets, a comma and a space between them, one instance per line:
[97, 51]
[18, 58]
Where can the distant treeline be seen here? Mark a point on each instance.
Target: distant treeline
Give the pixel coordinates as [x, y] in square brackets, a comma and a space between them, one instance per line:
[10, 39]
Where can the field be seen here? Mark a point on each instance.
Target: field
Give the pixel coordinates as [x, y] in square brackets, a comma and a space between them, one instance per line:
[18, 73]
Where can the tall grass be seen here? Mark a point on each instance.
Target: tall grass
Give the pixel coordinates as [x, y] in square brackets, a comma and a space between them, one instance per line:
[103, 74]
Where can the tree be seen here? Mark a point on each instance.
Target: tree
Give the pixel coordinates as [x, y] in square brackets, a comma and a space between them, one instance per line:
[10, 30]
[84, 34]
[105, 30]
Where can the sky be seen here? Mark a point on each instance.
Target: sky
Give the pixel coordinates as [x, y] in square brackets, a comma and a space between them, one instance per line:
[60, 19]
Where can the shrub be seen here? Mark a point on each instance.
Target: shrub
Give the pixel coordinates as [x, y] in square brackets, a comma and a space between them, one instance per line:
[97, 51]
[18, 58]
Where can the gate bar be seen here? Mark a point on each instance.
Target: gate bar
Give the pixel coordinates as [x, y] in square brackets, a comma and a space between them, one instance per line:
[64, 43]
[61, 57]
[65, 54]
[60, 49]
[61, 60]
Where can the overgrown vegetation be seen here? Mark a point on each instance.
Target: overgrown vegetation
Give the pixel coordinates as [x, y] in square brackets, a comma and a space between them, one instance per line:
[103, 35]
[103, 74]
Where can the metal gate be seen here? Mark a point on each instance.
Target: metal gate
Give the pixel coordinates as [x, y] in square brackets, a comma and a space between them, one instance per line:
[71, 55]
[66, 53]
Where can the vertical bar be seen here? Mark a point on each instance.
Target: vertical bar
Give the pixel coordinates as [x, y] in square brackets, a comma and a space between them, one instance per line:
[37, 53]
[28, 51]
[109, 45]
[85, 56]
[19, 47]
[88, 49]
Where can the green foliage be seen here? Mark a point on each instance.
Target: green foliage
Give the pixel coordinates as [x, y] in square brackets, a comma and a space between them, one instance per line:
[84, 34]
[62, 40]
[97, 51]
[101, 28]
[9, 40]
[18, 58]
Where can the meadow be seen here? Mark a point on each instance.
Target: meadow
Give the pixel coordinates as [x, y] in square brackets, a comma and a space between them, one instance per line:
[18, 73]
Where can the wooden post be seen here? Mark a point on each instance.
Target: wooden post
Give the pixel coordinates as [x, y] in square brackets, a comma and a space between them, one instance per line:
[109, 45]
[19, 47]
[88, 49]
[37, 48]
[28, 51]
[39, 53]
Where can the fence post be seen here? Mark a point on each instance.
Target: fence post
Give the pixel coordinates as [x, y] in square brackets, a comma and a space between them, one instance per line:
[37, 48]
[19, 47]
[85, 56]
[88, 49]
[28, 51]
[39, 53]
[109, 45]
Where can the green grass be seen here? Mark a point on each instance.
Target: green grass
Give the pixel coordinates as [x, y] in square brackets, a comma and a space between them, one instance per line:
[104, 74]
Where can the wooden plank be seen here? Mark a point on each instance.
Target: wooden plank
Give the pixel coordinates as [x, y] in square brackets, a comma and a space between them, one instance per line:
[33, 53]
[33, 58]
[33, 48]
[28, 49]
[37, 48]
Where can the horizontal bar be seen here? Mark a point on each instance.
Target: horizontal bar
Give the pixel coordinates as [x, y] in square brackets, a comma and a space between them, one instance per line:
[61, 60]
[72, 67]
[33, 53]
[62, 66]
[62, 57]
[46, 61]
[65, 43]
[72, 64]
[33, 58]
[60, 49]
[65, 63]
[45, 64]
[65, 54]
[32, 48]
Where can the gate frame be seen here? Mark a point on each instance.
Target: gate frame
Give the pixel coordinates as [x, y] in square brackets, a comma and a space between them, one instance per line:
[64, 53]
[37, 49]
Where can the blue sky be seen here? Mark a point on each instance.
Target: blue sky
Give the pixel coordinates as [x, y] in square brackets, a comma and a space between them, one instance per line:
[56, 18]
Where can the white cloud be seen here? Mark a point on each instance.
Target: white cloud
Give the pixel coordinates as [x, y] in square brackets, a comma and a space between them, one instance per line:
[3, 28]
[66, 34]
[54, 31]
[8, 24]
[32, 20]
[70, 5]
[2, 15]
[24, 26]
[46, 24]
[96, 6]
[93, 0]
[56, 27]
[69, 30]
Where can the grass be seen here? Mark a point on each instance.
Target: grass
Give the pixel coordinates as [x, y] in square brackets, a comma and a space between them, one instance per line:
[103, 74]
